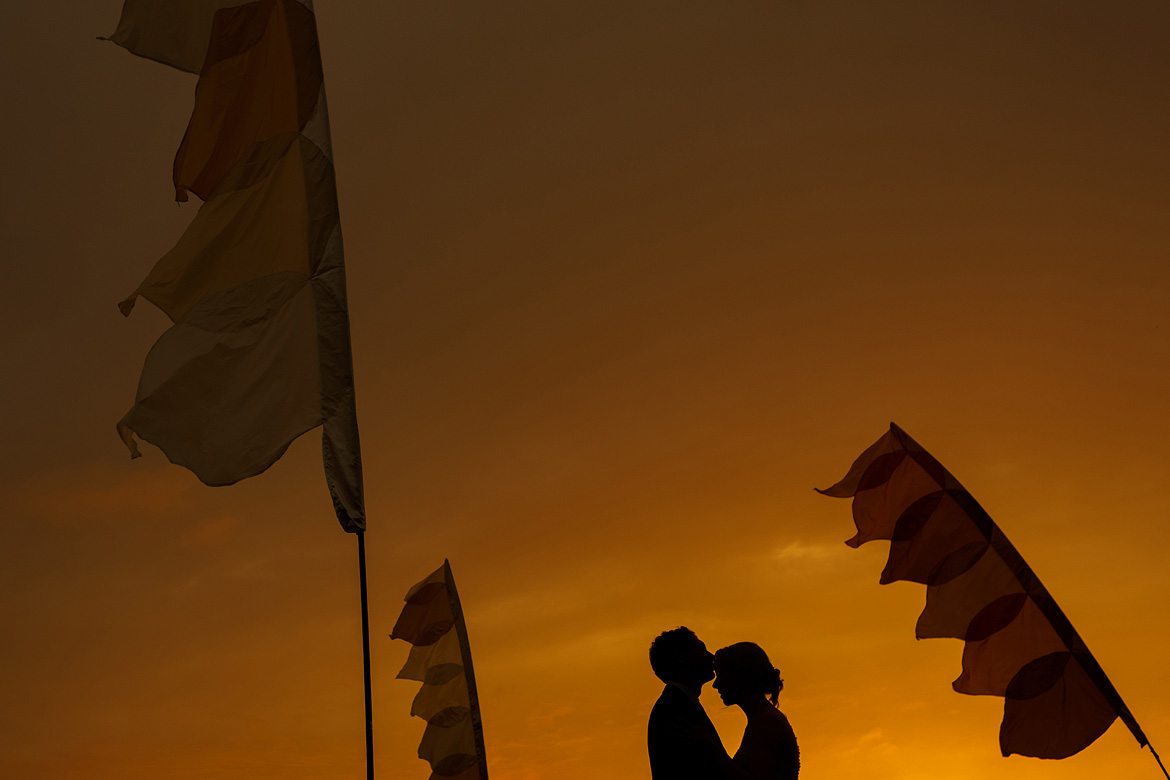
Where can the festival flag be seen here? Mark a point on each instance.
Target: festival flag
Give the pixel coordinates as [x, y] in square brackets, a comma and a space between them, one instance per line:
[432, 621]
[259, 352]
[1018, 642]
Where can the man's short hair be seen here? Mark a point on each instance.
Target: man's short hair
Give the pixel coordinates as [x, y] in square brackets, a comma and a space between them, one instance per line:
[668, 651]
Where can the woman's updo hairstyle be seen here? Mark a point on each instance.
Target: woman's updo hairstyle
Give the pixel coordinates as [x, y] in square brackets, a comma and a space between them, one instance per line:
[749, 662]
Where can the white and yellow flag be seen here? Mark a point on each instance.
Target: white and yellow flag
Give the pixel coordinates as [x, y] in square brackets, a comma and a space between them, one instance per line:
[259, 352]
[440, 659]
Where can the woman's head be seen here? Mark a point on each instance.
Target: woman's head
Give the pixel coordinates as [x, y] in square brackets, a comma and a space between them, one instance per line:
[743, 671]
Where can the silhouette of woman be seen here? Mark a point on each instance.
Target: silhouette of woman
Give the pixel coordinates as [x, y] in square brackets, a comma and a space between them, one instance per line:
[746, 678]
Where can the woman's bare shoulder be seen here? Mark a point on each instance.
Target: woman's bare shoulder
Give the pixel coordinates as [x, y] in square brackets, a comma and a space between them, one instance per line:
[771, 722]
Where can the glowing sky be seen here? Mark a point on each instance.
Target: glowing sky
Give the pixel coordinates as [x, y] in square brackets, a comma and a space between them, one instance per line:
[627, 281]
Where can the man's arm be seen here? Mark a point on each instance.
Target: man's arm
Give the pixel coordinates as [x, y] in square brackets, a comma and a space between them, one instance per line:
[699, 756]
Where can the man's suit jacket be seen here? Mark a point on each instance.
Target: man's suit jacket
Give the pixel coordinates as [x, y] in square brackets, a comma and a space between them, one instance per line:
[682, 741]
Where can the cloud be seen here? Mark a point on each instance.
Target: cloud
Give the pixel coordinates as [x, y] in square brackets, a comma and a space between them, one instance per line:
[211, 533]
[871, 742]
[542, 721]
[801, 551]
[103, 490]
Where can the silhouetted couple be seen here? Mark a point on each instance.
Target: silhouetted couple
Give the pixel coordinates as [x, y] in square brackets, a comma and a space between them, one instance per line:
[682, 740]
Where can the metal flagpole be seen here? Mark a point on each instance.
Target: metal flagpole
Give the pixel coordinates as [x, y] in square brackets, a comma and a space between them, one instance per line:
[1159, 760]
[361, 536]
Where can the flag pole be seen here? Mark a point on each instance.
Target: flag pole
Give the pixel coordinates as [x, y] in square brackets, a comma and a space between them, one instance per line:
[1159, 760]
[361, 536]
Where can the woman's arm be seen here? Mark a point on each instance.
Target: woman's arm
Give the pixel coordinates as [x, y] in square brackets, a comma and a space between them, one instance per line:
[757, 754]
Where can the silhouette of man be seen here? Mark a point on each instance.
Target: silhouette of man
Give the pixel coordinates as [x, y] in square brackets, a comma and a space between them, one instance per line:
[681, 739]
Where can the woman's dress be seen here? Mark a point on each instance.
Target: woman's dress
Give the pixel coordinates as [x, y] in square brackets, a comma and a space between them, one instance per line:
[768, 750]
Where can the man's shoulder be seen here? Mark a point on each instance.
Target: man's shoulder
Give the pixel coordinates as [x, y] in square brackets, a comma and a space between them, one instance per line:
[664, 703]
[676, 711]
[672, 699]
[683, 745]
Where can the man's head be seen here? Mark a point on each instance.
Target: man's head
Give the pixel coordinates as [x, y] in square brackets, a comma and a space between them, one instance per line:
[679, 656]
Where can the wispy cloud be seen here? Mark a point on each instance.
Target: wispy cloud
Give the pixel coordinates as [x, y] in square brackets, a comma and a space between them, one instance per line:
[872, 741]
[101, 490]
[802, 551]
[211, 533]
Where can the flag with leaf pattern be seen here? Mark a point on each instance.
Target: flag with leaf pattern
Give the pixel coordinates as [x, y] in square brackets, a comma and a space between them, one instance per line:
[1018, 642]
[440, 659]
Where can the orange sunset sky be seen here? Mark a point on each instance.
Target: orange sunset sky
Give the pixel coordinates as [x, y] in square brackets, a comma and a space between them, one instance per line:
[627, 281]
